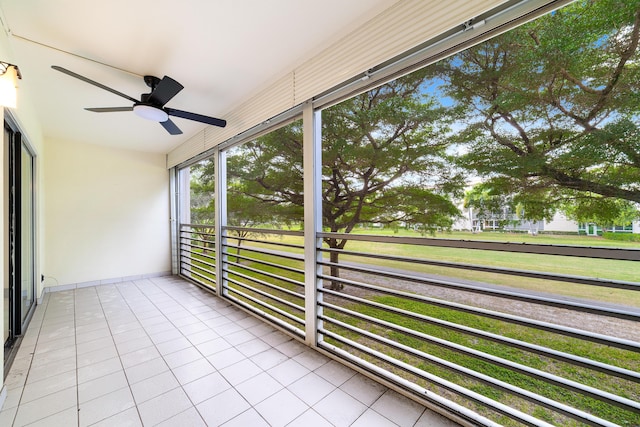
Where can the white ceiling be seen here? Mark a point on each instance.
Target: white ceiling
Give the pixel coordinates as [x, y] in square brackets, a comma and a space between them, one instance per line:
[222, 51]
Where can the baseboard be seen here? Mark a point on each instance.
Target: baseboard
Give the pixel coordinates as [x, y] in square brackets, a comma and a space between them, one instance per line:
[111, 281]
[3, 396]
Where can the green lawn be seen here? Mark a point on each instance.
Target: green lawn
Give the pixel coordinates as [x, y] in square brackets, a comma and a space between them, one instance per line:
[628, 271]
[601, 353]
[543, 239]
[618, 270]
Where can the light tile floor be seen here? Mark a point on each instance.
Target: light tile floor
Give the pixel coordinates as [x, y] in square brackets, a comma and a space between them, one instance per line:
[164, 352]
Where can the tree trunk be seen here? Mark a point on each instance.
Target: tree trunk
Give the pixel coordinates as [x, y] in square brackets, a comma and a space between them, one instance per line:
[334, 257]
[335, 272]
[238, 248]
[208, 245]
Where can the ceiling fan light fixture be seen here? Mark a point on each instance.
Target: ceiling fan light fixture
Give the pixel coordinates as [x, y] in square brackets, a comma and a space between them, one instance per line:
[150, 112]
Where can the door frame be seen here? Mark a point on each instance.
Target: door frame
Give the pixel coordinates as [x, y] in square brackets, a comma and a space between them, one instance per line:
[13, 227]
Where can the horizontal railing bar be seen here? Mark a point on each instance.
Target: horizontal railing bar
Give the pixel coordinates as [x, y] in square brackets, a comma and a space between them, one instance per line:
[563, 330]
[264, 294]
[264, 305]
[512, 295]
[280, 254]
[191, 232]
[525, 394]
[583, 280]
[201, 276]
[212, 226]
[203, 243]
[242, 239]
[264, 283]
[270, 264]
[264, 231]
[190, 240]
[273, 319]
[532, 248]
[184, 245]
[189, 257]
[433, 379]
[213, 273]
[184, 252]
[265, 273]
[511, 342]
[185, 259]
[434, 398]
[199, 283]
[498, 361]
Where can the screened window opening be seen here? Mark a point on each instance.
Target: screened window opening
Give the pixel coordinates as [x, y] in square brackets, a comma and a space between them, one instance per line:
[478, 227]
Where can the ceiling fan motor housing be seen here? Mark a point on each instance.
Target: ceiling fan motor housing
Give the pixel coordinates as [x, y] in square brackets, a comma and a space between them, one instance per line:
[151, 81]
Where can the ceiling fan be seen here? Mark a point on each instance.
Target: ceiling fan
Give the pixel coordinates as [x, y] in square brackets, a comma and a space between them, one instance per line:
[151, 105]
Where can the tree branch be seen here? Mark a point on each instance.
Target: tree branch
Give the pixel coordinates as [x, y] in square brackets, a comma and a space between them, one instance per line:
[580, 184]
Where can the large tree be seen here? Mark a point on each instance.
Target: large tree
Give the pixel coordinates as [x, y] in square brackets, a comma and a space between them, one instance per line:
[383, 161]
[553, 107]
[243, 211]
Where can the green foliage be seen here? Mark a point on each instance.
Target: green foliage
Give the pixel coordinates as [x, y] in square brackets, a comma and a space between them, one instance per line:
[600, 210]
[384, 159]
[264, 179]
[552, 107]
[202, 193]
[485, 200]
[623, 237]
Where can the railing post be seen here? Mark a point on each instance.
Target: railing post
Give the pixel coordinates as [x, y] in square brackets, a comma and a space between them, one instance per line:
[312, 165]
[174, 220]
[220, 167]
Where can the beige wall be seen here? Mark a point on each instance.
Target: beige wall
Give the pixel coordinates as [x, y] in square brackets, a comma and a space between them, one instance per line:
[106, 214]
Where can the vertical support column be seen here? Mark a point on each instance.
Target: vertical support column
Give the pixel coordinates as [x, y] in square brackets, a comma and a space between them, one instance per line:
[312, 166]
[174, 219]
[180, 183]
[220, 166]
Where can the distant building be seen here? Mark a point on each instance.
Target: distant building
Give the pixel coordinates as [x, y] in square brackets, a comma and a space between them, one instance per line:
[508, 221]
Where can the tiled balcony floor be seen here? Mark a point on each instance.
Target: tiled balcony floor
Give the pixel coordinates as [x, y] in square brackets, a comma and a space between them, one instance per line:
[162, 351]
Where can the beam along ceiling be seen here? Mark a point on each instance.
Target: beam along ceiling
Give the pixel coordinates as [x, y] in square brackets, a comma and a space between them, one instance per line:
[221, 51]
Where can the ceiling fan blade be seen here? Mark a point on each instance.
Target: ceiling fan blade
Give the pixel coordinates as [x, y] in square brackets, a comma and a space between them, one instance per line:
[100, 85]
[167, 88]
[171, 127]
[196, 117]
[109, 109]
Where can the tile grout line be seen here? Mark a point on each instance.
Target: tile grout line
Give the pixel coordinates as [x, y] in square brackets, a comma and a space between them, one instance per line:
[31, 364]
[204, 357]
[106, 318]
[133, 282]
[180, 385]
[99, 300]
[198, 350]
[33, 354]
[251, 406]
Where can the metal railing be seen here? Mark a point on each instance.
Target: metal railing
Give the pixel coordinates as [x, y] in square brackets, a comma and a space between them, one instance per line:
[483, 337]
[264, 275]
[196, 249]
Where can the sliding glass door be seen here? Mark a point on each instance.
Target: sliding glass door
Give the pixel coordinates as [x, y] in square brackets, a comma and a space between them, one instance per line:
[19, 282]
[26, 234]
[7, 288]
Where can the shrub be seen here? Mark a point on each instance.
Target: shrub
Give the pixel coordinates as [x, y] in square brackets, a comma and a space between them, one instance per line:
[625, 237]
